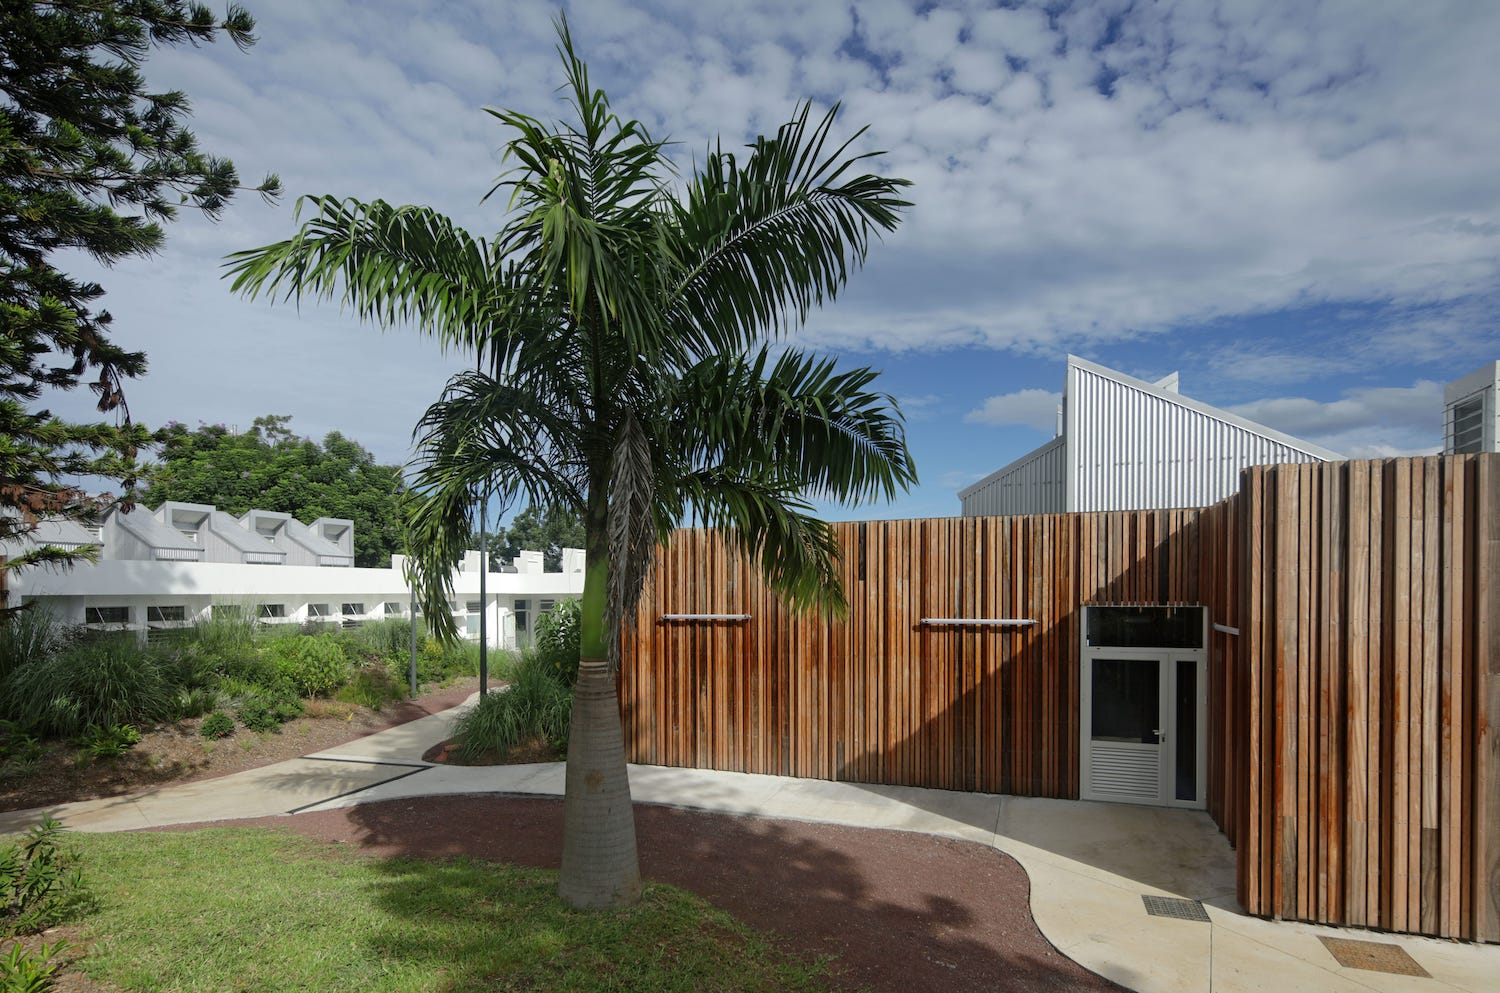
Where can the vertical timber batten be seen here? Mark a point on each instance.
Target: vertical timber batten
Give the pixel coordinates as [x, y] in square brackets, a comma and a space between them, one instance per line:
[1354, 721]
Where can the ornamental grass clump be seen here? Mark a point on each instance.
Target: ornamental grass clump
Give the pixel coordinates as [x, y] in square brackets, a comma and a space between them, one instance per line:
[536, 704]
[97, 681]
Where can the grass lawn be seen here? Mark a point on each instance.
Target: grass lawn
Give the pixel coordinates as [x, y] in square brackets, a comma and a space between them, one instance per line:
[248, 909]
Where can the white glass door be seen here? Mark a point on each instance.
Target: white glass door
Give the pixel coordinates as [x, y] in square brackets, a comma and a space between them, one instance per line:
[1143, 735]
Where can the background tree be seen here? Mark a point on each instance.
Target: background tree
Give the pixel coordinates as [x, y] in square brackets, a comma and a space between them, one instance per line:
[91, 161]
[544, 528]
[270, 468]
[620, 321]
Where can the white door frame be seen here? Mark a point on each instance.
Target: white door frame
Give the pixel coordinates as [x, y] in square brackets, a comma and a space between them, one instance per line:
[1168, 660]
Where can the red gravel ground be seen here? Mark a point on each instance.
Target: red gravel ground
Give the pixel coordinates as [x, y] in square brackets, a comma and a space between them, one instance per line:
[899, 912]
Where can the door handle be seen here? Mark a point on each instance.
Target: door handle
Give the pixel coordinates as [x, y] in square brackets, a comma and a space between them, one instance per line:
[1161, 736]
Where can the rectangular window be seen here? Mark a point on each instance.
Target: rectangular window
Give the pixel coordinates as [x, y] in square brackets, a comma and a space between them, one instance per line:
[317, 610]
[1467, 429]
[474, 607]
[162, 614]
[353, 610]
[394, 609]
[519, 610]
[272, 610]
[545, 605]
[1145, 627]
[106, 615]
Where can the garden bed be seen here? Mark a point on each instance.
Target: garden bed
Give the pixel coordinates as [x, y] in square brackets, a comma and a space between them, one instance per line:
[177, 753]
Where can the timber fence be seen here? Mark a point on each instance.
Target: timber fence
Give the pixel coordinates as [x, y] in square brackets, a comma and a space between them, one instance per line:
[1352, 757]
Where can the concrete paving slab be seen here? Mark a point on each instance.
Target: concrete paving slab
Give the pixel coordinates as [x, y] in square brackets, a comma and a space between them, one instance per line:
[1155, 849]
[405, 742]
[275, 789]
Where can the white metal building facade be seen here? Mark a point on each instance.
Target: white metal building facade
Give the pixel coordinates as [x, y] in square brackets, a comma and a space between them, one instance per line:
[1471, 412]
[175, 566]
[1127, 444]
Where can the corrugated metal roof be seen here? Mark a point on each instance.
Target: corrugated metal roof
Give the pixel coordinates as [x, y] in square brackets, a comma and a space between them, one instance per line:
[1128, 444]
[1133, 445]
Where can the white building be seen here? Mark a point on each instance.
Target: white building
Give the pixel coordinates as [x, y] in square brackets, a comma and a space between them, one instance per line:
[173, 566]
[1471, 413]
[1126, 444]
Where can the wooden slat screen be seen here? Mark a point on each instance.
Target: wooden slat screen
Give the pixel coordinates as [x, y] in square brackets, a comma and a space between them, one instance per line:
[879, 697]
[1353, 756]
[1369, 689]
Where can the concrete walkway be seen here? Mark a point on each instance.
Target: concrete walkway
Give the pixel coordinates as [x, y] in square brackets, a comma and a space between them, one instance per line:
[1090, 864]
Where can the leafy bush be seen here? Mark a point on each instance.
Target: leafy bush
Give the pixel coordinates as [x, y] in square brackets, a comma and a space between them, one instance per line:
[267, 711]
[536, 704]
[23, 971]
[104, 681]
[107, 742]
[20, 753]
[227, 641]
[312, 666]
[387, 640]
[372, 686]
[40, 883]
[559, 638]
[217, 725]
[27, 637]
[439, 663]
[195, 702]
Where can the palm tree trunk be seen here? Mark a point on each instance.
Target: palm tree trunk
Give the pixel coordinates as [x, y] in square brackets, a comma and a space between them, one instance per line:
[600, 867]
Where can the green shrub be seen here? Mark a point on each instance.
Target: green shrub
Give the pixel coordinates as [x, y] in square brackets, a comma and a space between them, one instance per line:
[439, 663]
[20, 752]
[267, 711]
[558, 640]
[226, 640]
[217, 725]
[23, 971]
[386, 640]
[104, 681]
[29, 636]
[195, 702]
[536, 704]
[108, 742]
[311, 666]
[372, 686]
[40, 882]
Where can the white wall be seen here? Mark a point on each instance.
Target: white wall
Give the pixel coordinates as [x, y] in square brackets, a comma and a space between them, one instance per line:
[197, 586]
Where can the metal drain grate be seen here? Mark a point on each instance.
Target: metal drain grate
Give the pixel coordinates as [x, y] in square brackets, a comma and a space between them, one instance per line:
[1169, 906]
[1375, 956]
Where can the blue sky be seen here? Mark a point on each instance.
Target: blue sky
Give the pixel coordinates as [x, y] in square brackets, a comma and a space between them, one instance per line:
[1293, 204]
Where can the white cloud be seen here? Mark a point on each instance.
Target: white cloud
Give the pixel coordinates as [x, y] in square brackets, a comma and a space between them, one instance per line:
[1370, 422]
[1245, 158]
[1028, 408]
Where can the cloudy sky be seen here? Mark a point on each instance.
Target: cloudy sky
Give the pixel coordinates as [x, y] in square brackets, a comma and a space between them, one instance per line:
[1294, 204]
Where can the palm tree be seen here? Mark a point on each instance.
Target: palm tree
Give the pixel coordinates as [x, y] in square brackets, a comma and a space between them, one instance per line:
[622, 326]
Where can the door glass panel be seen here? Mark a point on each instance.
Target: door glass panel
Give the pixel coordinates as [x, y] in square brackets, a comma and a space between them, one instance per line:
[1125, 700]
[1187, 729]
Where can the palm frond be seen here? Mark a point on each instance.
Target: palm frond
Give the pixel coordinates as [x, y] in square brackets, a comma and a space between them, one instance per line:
[633, 528]
[763, 517]
[763, 241]
[390, 265]
[822, 427]
[483, 437]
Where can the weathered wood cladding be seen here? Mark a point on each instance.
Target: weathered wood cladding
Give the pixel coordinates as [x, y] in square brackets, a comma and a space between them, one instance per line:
[881, 698]
[1368, 681]
[1354, 759]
